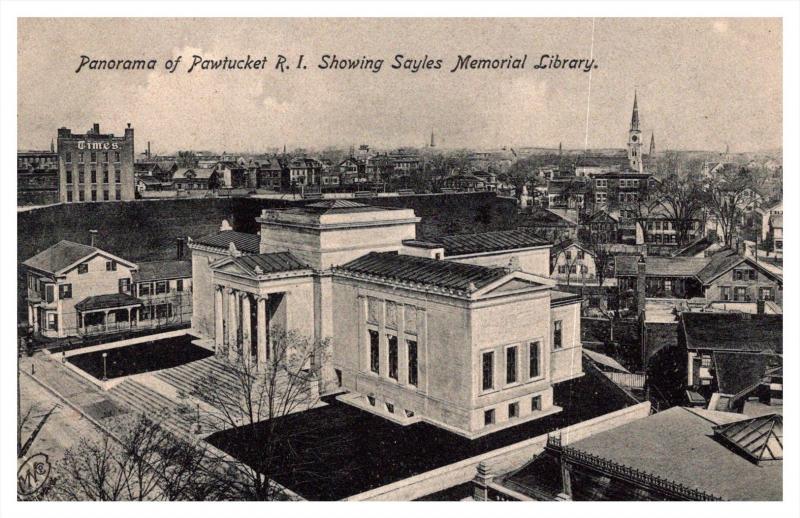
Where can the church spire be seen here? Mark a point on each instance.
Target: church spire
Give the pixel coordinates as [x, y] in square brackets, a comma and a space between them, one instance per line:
[635, 115]
[433, 142]
[52, 146]
[652, 144]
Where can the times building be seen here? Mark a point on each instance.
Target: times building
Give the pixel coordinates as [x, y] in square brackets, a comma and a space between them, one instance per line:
[95, 167]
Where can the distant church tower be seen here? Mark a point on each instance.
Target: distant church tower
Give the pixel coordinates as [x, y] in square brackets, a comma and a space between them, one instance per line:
[635, 139]
[652, 152]
[433, 142]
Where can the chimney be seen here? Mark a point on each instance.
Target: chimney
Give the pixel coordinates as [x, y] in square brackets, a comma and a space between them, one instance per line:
[181, 248]
[148, 150]
[96, 128]
[92, 235]
[760, 305]
[641, 285]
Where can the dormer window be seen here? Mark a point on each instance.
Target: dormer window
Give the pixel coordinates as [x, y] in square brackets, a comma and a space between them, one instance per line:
[83, 268]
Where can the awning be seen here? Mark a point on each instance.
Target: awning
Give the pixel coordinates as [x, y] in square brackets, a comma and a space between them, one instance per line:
[109, 301]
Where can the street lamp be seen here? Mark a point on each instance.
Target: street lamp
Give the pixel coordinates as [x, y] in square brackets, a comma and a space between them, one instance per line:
[105, 355]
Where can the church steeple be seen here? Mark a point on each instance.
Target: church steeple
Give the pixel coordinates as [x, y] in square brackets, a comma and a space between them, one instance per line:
[635, 138]
[652, 145]
[635, 115]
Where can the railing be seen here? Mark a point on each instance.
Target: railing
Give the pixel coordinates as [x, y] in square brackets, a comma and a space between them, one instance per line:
[627, 379]
[642, 478]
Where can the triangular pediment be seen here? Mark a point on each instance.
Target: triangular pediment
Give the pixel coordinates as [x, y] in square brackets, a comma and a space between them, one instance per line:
[227, 265]
[514, 282]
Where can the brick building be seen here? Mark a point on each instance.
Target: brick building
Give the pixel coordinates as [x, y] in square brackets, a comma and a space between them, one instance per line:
[95, 166]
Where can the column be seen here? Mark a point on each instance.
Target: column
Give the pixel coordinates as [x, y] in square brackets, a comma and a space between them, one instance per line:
[383, 342]
[402, 346]
[247, 327]
[232, 329]
[261, 331]
[219, 338]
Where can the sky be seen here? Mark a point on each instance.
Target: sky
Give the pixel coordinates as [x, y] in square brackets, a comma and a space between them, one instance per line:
[702, 83]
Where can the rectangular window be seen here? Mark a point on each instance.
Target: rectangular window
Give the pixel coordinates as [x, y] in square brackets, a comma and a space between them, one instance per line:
[392, 342]
[511, 364]
[81, 177]
[94, 194]
[179, 285]
[161, 287]
[725, 292]
[737, 275]
[536, 403]
[487, 369]
[94, 157]
[69, 196]
[81, 195]
[767, 294]
[116, 156]
[740, 294]
[513, 410]
[117, 176]
[69, 176]
[105, 176]
[753, 275]
[164, 311]
[534, 359]
[374, 352]
[65, 291]
[124, 285]
[68, 158]
[488, 417]
[117, 194]
[557, 335]
[111, 266]
[145, 289]
[105, 156]
[105, 194]
[83, 268]
[80, 157]
[52, 321]
[413, 376]
[94, 176]
[49, 293]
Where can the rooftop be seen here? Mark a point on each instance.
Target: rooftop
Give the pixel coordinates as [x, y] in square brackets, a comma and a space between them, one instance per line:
[422, 270]
[464, 244]
[160, 270]
[108, 301]
[733, 331]
[59, 256]
[678, 445]
[275, 262]
[243, 242]
[738, 371]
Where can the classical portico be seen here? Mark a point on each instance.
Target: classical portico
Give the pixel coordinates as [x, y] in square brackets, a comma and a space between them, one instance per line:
[255, 298]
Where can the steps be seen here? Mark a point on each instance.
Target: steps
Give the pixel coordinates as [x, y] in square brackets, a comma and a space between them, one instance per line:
[146, 401]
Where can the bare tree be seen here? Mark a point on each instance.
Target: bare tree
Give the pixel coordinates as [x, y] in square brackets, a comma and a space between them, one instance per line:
[683, 199]
[257, 402]
[729, 191]
[142, 461]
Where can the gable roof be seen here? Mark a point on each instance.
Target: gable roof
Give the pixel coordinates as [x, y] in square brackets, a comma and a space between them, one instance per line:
[161, 270]
[758, 439]
[249, 243]
[660, 266]
[59, 256]
[422, 270]
[733, 331]
[724, 261]
[463, 244]
[737, 371]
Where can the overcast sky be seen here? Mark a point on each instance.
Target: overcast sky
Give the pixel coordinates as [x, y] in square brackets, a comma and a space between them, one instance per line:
[702, 83]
